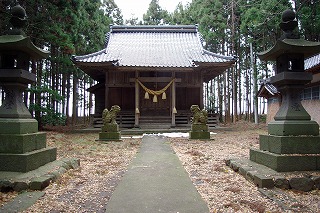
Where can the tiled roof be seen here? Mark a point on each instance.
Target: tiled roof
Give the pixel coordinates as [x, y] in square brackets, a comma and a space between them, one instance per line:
[312, 62]
[154, 46]
[267, 89]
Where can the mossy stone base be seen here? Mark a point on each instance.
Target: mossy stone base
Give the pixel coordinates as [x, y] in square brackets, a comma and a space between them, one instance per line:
[199, 128]
[285, 163]
[199, 135]
[110, 136]
[293, 127]
[18, 126]
[22, 143]
[290, 144]
[27, 161]
[110, 128]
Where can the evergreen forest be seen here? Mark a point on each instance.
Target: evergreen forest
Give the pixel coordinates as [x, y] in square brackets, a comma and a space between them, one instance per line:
[230, 27]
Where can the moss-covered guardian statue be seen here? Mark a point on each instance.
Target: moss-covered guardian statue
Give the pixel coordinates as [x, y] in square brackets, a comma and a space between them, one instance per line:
[110, 130]
[199, 116]
[199, 127]
[109, 117]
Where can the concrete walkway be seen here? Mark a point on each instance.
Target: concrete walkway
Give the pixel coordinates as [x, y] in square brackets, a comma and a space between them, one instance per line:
[156, 182]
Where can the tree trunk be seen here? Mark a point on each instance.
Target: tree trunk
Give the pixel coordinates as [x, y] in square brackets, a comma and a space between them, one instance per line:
[255, 86]
[75, 100]
[2, 96]
[34, 71]
[68, 98]
[63, 92]
[233, 70]
[38, 95]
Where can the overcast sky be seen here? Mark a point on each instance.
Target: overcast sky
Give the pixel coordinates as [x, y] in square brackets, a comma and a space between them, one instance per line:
[136, 8]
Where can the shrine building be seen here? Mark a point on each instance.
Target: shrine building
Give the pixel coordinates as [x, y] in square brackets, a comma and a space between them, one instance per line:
[151, 72]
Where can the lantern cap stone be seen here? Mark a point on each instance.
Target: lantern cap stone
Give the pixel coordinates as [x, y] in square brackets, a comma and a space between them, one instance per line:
[307, 48]
[22, 44]
[290, 42]
[16, 40]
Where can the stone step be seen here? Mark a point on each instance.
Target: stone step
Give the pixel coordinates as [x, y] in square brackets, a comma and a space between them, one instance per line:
[155, 119]
[155, 125]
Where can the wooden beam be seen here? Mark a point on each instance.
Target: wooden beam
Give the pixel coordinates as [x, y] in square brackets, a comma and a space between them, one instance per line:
[155, 79]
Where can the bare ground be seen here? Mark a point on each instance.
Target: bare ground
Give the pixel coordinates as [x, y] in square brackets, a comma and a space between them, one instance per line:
[88, 188]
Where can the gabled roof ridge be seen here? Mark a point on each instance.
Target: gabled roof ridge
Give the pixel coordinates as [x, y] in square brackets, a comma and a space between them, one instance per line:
[154, 28]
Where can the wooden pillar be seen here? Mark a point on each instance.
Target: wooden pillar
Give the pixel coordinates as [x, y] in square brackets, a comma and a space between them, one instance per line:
[173, 101]
[201, 92]
[106, 94]
[137, 98]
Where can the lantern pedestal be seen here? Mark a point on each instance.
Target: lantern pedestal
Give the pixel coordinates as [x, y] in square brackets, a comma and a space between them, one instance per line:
[22, 147]
[293, 128]
[286, 162]
[293, 142]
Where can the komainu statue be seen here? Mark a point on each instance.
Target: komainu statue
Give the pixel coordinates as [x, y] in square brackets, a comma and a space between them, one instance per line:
[199, 127]
[199, 116]
[109, 117]
[110, 129]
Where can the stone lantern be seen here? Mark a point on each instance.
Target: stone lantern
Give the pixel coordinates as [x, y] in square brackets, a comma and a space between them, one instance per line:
[22, 147]
[293, 142]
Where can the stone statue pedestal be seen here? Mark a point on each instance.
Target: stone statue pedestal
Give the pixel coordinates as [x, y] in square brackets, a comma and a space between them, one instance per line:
[22, 147]
[110, 132]
[199, 131]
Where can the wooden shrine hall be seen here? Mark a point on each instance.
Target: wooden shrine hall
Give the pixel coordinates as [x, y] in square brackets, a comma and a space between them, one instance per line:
[152, 72]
